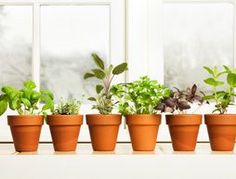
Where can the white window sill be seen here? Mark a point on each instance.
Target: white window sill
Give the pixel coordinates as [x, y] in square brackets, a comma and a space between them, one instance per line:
[121, 164]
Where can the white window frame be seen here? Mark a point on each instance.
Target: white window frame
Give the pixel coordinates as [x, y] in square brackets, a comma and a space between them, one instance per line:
[116, 46]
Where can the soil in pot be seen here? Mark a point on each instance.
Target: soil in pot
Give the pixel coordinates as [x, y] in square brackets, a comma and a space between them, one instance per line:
[143, 129]
[25, 130]
[221, 130]
[184, 130]
[65, 131]
[103, 130]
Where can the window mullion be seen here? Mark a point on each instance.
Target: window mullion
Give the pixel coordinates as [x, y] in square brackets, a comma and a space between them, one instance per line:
[36, 44]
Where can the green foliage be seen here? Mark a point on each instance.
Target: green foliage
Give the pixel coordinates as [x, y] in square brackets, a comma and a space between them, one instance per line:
[222, 98]
[26, 100]
[69, 107]
[141, 96]
[104, 102]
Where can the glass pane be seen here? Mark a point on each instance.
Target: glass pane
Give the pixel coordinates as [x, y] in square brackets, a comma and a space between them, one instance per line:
[15, 44]
[69, 35]
[196, 35]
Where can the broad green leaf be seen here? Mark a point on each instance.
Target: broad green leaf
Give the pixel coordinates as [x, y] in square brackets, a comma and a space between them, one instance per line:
[209, 70]
[99, 88]
[99, 62]
[120, 69]
[27, 93]
[35, 95]
[231, 79]
[3, 104]
[8, 89]
[29, 84]
[213, 82]
[99, 73]
[88, 75]
[92, 99]
[47, 93]
[14, 104]
[26, 102]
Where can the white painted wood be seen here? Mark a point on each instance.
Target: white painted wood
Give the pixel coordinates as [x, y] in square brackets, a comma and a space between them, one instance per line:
[123, 163]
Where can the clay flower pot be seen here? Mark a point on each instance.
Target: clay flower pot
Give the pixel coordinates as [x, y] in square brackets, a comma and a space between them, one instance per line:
[143, 129]
[65, 131]
[103, 130]
[221, 130]
[184, 130]
[25, 130]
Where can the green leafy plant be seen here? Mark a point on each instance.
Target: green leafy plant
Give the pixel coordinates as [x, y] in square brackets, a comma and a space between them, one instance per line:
[141, 96]
[104, 103]
[69, 107]
[180, 100]
[221, 98]
[26, 100]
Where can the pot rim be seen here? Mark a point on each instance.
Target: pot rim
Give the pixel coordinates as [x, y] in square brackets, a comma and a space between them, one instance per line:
[184, 115]
[98, 114]
[65, 115]
[227, 114]
[142, 115]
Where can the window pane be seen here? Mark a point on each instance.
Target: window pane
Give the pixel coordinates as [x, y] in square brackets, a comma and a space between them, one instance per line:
[196, 35]
[15, 44]
[69, 35]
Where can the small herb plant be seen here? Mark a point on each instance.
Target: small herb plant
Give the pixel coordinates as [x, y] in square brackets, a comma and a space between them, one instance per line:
[221, 98]
[69, 107]
[140, 96]
[104, 103]
[26, 100]
[180, 100]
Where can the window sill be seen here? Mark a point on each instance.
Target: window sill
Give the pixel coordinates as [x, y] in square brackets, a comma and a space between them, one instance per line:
[123, 163]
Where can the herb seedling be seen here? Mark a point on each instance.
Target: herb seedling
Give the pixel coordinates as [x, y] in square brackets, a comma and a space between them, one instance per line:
[69, 107]
[104, 103]
[26, 100]
[221, 98]
[140, 96]
[180, 100]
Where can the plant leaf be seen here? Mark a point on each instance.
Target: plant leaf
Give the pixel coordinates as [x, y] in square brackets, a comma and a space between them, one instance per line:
[47, 93]
[26, 102]
[209, 70]
[29, 84]
[3, 104]
[92, 99]
[99, 73]
[120, 69]
[88, 75]
[231, 79]
[99, 62]
[213, 82]
[99, 88]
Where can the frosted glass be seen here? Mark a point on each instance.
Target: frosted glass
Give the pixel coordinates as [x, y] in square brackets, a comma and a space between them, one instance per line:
[69, 35]
[196, 35]
[15, 44]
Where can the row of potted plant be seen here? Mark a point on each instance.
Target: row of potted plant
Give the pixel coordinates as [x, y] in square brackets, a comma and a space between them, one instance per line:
[141, 102]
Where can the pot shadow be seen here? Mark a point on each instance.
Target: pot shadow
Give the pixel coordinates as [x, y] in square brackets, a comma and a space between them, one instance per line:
[64, 153]
[183, 152]
[103, 152]
[144, 152]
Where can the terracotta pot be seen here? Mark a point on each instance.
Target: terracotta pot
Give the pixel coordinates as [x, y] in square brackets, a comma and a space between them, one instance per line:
[103, 130]
[184, 130]
[65, 131]
[143, 129]
[221, 130]
[25, 130]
